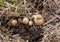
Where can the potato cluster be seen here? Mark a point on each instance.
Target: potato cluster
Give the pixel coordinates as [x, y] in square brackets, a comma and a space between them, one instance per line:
[36, 19]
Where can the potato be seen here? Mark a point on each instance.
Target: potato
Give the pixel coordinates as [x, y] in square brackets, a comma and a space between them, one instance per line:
[14, 22]
[30, 23]
[38, 19]
[19, 20]
[25, 20]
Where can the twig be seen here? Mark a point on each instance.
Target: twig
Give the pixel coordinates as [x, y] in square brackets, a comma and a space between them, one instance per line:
[50, 21]
[46, 33]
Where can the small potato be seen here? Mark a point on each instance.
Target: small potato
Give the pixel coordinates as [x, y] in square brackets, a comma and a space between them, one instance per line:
[25, 20]
[19, 20]
[14, 22]
[30, 23]
[38, 19]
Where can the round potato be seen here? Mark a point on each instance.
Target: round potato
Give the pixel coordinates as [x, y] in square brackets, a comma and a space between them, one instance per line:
[14, 22]
[38, 19]
[25, 20]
